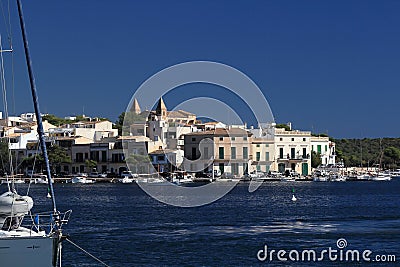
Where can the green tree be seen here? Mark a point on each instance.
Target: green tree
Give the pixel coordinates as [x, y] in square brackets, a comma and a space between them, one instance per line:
[284, 126]
[136, 160]
[53, 119]
[57, 156]
[4, 156]
[90, 164]
[315, 159]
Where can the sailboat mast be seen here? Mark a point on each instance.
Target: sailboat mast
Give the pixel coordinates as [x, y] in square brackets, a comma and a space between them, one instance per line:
[36, 105]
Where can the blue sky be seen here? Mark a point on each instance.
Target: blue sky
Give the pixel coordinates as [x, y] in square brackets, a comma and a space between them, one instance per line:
[326, 66]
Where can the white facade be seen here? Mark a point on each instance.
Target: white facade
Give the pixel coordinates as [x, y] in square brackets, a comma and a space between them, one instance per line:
[325, 148]
[94, 131]
[292, 151]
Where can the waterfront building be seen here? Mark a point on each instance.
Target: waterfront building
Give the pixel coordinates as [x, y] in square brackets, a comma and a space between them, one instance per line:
[325, 148]
[262, 154]
[227, 150]
[168, 126]
[29, 117]
[167, 160]
[292, 151]
[93, 130]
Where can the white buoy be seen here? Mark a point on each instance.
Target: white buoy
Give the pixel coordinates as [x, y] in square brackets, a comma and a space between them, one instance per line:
[48, 195]
[294, 198]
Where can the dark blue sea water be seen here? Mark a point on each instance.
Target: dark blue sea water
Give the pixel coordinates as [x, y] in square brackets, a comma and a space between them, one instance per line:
[123, 226]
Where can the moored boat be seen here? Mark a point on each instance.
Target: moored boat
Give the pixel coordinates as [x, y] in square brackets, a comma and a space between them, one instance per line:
[81, 180]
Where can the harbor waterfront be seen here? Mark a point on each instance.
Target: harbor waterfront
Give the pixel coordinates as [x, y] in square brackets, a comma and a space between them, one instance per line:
[123, 226]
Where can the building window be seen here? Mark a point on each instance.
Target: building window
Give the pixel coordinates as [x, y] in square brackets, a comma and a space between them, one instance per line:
[233, 138]
[79, 157]
[245, 138]
[281, 152]
[233, 153]
[245, 153]
[292, 139]
[319, 149]
[281, 139]
[293, 152]
[221, 138]
[266, 156]
[221, 153]
[304, 152]
[258, 167]
[266, 145]
[326, 148]
[193, 139]
[257, 145]
[304, 139]
[258, 155]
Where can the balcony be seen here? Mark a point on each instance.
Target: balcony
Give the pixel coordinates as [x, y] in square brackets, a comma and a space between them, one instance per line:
[294, 159]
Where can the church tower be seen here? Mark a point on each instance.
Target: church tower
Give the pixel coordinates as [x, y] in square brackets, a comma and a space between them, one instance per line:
[161, 109]
[135, 107]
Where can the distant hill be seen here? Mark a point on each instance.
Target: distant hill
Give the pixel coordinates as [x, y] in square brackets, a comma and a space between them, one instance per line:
[367, 152]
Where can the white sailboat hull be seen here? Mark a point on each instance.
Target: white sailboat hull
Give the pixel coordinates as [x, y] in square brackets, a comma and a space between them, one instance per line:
[26, 251]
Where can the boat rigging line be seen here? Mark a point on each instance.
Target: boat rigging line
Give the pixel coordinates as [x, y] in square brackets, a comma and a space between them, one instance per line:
[86, 252]
[37, 109]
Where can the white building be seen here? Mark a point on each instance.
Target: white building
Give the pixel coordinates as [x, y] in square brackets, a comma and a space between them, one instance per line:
[325, 148]
[94, 130]
[292, 151]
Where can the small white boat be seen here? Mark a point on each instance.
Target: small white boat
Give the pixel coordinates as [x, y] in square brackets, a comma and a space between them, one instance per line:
[363, 177]
[320, 179]
[9, 181]
[41, 179]
[182, 181]
[380, 177]
[12, 203]
[288, 179]
[81, 180]
[294, 198]
[338, 178]
[151, 180]
[395, 173]
[126, 180]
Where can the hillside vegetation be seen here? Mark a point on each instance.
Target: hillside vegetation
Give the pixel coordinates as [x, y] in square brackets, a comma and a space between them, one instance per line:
[367, 152]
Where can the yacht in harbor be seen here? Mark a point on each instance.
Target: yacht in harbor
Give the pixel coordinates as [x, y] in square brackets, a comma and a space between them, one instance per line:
[380, 176]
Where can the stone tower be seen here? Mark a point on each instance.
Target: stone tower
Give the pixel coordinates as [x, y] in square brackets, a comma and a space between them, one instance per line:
[135, 107]
[161, 109]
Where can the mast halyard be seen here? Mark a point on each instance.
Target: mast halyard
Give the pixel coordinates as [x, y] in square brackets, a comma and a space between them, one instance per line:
[36, 106]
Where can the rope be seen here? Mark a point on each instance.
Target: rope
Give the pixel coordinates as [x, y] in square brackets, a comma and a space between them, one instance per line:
[4, 91]
[33, 168]
[92, 256]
